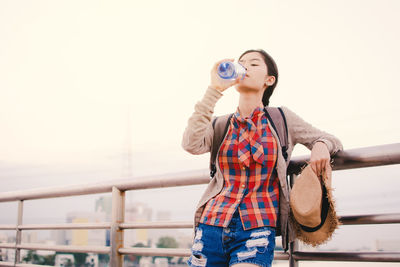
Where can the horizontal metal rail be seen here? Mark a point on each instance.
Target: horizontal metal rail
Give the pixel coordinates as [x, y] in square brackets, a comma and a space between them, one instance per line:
[58, 248]
[348, 159]
[7, 227]
[348, 256]
[372, 156]
[176, 252]
[11, 264]
[7, 245]
[156, 225]
[31, 265]
[371, 219]
[163, 252]
[147, 182]
[66, 226]
[345, 220]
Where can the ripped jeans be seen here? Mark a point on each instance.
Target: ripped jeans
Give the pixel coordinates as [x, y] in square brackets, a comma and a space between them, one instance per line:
[222, 247]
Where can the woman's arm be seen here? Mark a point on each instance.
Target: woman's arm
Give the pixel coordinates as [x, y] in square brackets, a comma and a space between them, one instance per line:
[321, 144]
[198, 135]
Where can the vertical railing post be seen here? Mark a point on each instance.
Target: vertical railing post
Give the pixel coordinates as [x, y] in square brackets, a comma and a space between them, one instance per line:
[117, 234]
[18, 236]
[293, 246]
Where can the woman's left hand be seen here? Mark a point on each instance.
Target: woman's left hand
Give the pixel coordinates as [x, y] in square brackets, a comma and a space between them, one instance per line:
[320, 158]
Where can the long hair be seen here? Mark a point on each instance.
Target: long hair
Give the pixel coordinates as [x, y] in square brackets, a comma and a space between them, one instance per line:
[272, 71]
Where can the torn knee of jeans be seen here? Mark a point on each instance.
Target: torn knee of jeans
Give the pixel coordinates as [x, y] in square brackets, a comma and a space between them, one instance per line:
[246, 254]
[259, 240]
[197, 246]
[198, 259]
[264, 233]
[199, 234]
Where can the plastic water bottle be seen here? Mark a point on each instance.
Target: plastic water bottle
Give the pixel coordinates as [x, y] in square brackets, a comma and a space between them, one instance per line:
[228, 70]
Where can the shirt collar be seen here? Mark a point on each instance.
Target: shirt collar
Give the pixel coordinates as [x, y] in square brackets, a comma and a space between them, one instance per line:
[257, 112]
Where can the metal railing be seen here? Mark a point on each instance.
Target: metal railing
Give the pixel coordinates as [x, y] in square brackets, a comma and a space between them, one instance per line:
[344, 160]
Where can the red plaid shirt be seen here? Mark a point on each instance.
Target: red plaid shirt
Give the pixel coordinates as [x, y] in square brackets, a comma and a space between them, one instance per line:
[247, 159]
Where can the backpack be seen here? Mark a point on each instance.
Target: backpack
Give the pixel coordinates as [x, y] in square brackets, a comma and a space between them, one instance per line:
[276, 118]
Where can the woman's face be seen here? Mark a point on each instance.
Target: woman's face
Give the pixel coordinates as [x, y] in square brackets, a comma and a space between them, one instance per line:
[256, 78]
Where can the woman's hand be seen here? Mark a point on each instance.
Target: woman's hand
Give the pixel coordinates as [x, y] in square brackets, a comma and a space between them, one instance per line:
[320, 158]
[219, 83]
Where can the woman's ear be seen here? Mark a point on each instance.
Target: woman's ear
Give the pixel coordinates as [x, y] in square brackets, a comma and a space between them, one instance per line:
[269, 80]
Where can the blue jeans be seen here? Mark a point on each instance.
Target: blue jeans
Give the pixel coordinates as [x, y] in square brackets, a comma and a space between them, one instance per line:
[221, 247]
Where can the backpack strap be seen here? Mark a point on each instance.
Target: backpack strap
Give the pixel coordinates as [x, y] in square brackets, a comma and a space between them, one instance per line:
[221, 125]
[278, 122]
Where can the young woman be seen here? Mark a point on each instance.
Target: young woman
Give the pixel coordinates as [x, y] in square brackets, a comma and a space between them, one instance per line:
[247, 200]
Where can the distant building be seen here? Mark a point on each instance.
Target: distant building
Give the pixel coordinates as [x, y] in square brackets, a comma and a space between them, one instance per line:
[137, 212]
[140, 212]
[104, 205]
[3, 251]
[29, 237]
[82, 237]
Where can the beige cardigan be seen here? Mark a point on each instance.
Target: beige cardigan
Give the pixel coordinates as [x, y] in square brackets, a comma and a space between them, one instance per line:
[197, 139]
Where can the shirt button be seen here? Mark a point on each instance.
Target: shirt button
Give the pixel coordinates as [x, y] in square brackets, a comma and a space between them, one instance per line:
[243, 185]
[243, 168]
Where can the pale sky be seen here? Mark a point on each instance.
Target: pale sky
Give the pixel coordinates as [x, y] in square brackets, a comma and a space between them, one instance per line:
[81, 81]
[73, 73]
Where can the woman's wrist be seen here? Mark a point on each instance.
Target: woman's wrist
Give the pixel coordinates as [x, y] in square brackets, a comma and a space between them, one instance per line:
[219, 89]
[321, 142]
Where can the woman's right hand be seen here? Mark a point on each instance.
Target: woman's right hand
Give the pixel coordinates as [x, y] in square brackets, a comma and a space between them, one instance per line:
[219, 83]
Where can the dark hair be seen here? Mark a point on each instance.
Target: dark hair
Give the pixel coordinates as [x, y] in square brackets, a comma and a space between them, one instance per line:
[272, 71]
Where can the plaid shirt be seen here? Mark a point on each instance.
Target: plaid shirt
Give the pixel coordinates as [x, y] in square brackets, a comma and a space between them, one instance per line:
[247, 159]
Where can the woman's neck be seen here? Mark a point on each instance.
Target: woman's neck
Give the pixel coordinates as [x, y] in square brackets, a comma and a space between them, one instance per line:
[248, 102]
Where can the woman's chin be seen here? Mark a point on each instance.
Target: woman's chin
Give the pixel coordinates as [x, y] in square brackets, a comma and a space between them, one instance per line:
[245, 89]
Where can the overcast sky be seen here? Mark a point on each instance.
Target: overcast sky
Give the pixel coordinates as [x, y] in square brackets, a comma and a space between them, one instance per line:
[85, 83]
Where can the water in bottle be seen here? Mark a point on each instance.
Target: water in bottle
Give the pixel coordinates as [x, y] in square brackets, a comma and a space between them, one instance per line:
[231, 70]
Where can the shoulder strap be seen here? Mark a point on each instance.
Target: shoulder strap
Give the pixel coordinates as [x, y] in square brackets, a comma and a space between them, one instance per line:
[278, 122]
[220, 125]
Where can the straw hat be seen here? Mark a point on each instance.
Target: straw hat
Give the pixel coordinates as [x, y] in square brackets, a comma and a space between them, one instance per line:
[312, 207]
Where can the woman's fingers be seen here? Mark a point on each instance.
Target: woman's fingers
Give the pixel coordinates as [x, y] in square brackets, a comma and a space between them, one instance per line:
[319, 166]
[314, 166]
[319, 157]
[216, 82]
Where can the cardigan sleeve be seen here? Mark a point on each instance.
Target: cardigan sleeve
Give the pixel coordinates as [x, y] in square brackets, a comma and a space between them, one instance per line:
[198, 135]
[304, 133]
